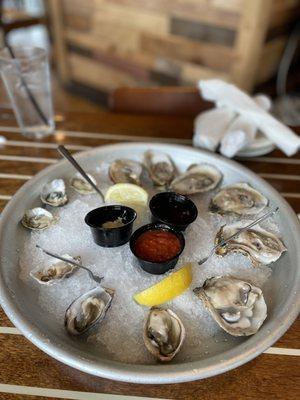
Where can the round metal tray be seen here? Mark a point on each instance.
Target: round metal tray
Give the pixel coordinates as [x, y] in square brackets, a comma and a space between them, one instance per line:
[19, 301]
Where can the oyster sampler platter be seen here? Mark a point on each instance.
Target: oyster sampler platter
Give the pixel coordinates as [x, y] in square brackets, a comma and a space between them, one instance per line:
[212, 334]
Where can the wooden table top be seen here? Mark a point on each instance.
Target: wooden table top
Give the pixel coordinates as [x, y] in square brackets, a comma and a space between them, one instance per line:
[25, 370]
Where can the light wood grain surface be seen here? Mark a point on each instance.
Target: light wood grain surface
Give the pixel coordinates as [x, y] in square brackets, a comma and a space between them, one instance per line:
[26, 372]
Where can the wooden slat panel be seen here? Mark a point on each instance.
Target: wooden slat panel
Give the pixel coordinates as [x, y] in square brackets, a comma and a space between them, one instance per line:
[136, 18]
[9, 396]
[117, 36]
[216, 56]
[79, 6]
[252, 30]
[96, 43]
[69, 141]
[98, 75]
[203, 32]
[285, 186]
[198, 10]
[56, 19]
[127, 26]
[270, 58]
[295, 204]
[29, 151]
[4, 321]
[46, 372]
[24, 168]
[78, 22]
[272, 167]
[153, 45]
[191, 74]
[135, 62]
[185, 73]
[10, 186]
[230, 5]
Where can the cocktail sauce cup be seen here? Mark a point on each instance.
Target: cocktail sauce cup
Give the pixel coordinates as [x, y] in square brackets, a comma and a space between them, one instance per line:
[173, 209]
[156, 268]
[111, 237]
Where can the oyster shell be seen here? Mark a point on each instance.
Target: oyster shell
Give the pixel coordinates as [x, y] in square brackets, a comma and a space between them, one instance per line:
[261, 246]
[237, 306]
[88, 310]
[81, 185]
[126, 171]
[38, 219]
[54, 271]
[54, 193]
[198, 178]
[160, 166]
[239, 198]
[164, 333]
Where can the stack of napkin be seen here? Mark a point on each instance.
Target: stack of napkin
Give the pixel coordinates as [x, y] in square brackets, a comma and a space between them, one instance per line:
[235, 120]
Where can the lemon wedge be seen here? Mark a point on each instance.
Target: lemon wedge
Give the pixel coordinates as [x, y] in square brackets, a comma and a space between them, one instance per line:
[168, 288]
[127, 194]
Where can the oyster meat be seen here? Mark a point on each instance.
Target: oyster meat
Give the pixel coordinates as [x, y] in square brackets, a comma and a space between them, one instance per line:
[88, 310]
[81, 185]
[126, 171]
[198, 178]
[38, 219]
[261, 246]
[54, 271]
[239, 198]
[160, 166]
[54, 193]
[164, 333]
[237, 306]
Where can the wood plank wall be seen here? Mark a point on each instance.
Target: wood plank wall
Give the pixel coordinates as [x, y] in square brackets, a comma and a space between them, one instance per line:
[112, 43]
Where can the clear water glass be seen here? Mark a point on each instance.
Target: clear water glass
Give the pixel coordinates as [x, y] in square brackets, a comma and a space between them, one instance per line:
[26, 76]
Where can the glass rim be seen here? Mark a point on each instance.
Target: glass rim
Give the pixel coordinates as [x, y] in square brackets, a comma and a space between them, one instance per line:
[38, 52]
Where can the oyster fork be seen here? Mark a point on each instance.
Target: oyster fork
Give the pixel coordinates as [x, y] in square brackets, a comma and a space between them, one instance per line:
[68, 156]
[94, 277]
[245, 228]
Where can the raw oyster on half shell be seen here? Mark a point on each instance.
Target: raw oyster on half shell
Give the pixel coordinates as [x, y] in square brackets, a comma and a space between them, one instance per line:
[54, 193]
[199, 178]
[54, 272]
[88, 310]
[81, 185]
[164, 333]
[237, 306]
[125, 170]
[160, 166]
[239, 198]
[38, 219]
[261, 246]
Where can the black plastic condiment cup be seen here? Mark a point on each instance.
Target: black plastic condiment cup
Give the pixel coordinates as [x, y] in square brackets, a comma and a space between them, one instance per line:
[111, 237]
[156, 268]
[173, 209]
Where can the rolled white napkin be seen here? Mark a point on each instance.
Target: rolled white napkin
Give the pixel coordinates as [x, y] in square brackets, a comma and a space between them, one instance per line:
[263, 101]
[239, 135]
[209, 127]
[229, 96]
[242, 132]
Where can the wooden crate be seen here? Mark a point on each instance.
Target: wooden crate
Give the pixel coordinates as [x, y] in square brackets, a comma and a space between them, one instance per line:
[106, 44]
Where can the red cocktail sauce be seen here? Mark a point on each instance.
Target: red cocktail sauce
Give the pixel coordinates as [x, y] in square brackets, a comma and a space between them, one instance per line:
[157, 245]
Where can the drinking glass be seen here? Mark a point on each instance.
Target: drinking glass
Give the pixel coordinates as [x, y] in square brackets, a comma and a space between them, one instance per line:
[26, 76]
